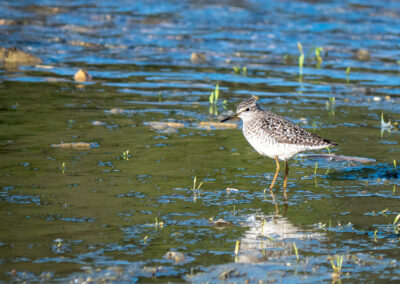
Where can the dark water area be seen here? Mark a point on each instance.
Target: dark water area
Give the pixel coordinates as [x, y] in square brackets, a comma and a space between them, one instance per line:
[122, 205]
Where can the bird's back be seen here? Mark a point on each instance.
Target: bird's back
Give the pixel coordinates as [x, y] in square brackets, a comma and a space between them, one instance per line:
[273, 135]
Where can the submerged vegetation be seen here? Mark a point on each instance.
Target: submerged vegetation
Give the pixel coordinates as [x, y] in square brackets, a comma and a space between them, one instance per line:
[237, 70]
[318, 51]
[196, 188]
[348, 69]
[301, 58]
[213, 99]
[337, 265]
[330, 106]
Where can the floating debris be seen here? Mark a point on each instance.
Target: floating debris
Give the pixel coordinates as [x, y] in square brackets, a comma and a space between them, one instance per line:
[363, 55]
[98, 123]
[75, 145]
[116, 111]
[303, 120]
[231, 273]
[217, 125]
[167, 127]
[175, 256]
[198, 57]
[84, 44]
[14, 57]
[385, 125]
[229, 189]
[44, 66]
[82, 76]
[7, 22]
[220, 223]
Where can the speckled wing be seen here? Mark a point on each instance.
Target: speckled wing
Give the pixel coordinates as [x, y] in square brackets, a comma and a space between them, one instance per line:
[285, 131]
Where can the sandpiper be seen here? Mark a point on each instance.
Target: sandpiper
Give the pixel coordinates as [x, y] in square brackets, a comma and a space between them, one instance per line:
[274, 136]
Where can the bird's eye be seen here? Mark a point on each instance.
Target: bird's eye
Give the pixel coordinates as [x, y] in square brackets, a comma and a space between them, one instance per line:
[247, 109]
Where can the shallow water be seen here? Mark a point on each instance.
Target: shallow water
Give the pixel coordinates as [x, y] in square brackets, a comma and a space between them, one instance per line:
[110, 216]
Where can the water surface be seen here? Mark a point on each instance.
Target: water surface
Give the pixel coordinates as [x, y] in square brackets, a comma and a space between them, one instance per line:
[70, 214]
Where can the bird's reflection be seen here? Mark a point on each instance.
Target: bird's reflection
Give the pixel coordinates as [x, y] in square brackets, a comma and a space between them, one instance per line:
[269, 237]
[275, 202]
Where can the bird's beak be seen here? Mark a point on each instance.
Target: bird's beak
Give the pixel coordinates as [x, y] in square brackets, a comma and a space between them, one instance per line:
[230, 117]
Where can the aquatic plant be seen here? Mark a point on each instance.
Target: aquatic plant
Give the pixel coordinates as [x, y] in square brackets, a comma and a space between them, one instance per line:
[318, 51]
[348, 69]
[264, 222]
[396, 224]
[330, 106]
[337, 268]
[296, 251]
[237, 247]
[301, 58]
[239, 70]
[385, 126]
[396, 219]
[15, 106]
[63, 167]
[196, 188]
[126, 155]
[213, 99]
[158, 224]
[214, 96]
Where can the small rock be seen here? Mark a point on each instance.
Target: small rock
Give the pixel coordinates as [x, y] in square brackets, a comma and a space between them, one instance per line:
[303, 120]
[116, 110]
[82, 76]
[84, 44]
[73, 145]
[363, 55]
[98, 123]
[175, 256]
[217, 125]
[14, 56]
[335, 276]
[167, 127]
[229, 189]
[197, 57]
[221, 223]
[7, 22]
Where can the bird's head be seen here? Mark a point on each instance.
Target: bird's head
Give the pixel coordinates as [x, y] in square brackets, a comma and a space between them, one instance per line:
[244, 110]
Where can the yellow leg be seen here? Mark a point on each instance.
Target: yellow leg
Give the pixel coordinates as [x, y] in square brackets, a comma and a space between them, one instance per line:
[276, 173]
[285, 180]
[272, 186]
